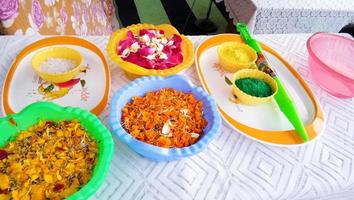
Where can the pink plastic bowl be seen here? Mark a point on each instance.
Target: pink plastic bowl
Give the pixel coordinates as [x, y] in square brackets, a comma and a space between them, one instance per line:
[331, 61]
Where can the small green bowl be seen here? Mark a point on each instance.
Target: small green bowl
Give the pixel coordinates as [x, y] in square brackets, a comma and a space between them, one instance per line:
[12, 124]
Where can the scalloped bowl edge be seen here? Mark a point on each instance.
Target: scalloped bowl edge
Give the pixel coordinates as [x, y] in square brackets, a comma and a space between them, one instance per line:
[180, 83]
[187, 48]
[34, 112]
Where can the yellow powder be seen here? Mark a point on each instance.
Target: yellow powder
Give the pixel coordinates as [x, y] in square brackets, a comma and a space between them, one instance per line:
[237, 55]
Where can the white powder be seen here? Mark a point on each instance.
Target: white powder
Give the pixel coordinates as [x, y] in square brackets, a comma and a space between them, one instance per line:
[57, 65]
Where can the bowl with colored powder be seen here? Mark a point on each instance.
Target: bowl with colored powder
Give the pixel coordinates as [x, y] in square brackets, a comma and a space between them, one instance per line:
[252, 86]
[234, 56]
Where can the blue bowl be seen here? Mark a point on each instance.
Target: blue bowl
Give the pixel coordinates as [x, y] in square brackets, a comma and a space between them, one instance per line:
[140, 87]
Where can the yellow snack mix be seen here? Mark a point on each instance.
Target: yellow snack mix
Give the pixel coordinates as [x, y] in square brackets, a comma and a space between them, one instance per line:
[50, 160]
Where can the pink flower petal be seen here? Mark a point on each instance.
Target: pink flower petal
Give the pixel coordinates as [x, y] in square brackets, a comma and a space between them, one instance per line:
[138, 60]
[145, 51]
[130, 34]
[175, 59]
[147, 32]
[124, 44]
[143, 32]
[177, 40]
[167, 50]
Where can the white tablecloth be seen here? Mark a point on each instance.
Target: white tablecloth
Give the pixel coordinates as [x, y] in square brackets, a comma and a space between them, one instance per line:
[233, 166]
[292, 16]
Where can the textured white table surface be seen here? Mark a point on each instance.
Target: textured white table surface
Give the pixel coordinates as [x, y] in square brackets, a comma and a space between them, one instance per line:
[233, 166]
[292, 16]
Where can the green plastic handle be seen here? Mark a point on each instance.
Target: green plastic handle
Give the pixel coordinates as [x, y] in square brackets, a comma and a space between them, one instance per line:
[284, 101]
[288, 108]
[246, 36]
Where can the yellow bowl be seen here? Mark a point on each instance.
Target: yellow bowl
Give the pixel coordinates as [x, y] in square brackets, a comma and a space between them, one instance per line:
[234, 56]
[136, 70]
[244, 98]
[57, 52]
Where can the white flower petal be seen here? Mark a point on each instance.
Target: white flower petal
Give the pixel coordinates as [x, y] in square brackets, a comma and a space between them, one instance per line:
[169, 43]
[145, 38]
[134, 47]
[163, 56]
[151, 57]
[126, 52]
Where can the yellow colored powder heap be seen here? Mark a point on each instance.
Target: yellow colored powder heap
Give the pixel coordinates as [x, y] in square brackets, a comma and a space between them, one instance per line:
[234, 56]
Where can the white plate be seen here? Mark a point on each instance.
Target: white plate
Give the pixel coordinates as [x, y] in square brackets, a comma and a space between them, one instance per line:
[21, 84]
[262, 122]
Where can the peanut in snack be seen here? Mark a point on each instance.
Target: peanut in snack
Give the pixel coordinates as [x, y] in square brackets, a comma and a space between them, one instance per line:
[50, 160]
[165, 118]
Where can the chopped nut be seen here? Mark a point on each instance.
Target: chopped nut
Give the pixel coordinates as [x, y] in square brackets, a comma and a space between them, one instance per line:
[194, 135]
[184, 111]
[166, 128]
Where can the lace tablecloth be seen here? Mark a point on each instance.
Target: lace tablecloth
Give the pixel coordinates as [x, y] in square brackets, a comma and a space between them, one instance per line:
[233, 166]
[292, 16]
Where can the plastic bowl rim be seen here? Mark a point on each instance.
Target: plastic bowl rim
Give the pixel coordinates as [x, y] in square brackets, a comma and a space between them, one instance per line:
[314, 56]
[174, 153]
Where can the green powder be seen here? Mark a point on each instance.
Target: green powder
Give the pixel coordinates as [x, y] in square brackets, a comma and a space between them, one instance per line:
[254, 87]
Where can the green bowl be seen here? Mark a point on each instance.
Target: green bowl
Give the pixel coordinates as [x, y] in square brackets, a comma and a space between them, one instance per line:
[11, 125]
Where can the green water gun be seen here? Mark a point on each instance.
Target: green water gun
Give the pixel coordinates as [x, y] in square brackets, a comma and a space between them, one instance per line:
[283, 99]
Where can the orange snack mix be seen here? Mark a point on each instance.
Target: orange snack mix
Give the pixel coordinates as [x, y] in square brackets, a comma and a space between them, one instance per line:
[166, 118]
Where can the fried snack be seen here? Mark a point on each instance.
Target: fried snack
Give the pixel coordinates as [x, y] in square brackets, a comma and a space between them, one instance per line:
[50, 160]
[165, 118]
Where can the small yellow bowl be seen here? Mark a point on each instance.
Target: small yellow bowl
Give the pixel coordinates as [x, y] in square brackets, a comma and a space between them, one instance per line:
[244, 98]
[57, 52]
[132, 70]
[234, 56]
